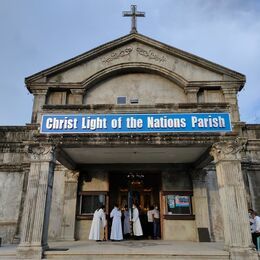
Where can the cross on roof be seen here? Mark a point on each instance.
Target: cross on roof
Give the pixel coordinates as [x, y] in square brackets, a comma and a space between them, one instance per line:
[133, 13]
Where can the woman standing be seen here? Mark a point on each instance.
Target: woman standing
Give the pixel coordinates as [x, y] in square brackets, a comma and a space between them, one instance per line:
[98, 223]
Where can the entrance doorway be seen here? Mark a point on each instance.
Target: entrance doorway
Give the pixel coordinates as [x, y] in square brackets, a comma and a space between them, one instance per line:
[141, 188]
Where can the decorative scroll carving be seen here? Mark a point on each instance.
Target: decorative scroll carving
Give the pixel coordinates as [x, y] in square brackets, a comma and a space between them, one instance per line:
[72, 176]
[41, 153]
[150, 55]
[125, 52]
[228, 150]
[117, 55]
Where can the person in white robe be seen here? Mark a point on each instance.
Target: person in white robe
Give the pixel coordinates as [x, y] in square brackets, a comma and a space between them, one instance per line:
[116, 229]
[137, 228]
[98, 223]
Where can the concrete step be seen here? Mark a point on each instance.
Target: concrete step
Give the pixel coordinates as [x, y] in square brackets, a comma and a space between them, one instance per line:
[8, 252]
[148, 250]
[135, 256]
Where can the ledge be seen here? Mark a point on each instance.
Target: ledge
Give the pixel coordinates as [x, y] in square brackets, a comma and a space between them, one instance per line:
[179, 217]
[220, 107]
[85, 217]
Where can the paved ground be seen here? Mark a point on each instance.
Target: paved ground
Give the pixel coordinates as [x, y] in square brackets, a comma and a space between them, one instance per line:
[124, 247]
[146, 248]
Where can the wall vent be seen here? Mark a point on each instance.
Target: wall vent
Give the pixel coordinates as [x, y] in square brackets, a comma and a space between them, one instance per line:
[121, 100]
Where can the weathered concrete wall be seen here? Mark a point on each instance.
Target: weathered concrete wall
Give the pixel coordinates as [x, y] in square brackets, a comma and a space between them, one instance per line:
[179, 230]
[251, 164]
[95, 181]
[82, 229]
[176, 180]
[136, 52]
[13, 168]
[254, 187]
[152, 72]
[147, 88]
[11, 185]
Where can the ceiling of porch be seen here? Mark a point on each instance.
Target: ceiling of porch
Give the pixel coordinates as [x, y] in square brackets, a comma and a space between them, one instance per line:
[116, 155]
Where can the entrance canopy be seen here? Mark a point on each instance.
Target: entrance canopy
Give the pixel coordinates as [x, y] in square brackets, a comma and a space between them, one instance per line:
[75, 151]
[109, 155]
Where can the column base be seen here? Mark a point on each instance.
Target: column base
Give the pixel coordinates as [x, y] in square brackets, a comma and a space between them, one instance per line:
[30, 251]
[243, 253]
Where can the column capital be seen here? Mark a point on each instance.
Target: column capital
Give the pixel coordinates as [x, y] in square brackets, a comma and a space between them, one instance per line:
[230, 88]
[77, 91]
[40, 91]
[41, 152]
[228, 150]
[191, 89]
[71, 176]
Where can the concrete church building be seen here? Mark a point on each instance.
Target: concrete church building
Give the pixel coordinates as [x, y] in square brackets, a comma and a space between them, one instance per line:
[133, 120]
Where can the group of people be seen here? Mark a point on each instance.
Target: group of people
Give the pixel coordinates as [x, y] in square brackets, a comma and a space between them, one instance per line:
[153, 217]
[254, 221]
[99, 222]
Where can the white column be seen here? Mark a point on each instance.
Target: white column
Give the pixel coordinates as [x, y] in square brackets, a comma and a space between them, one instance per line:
[38, 102]
[191, 93]
[233, 198]
[230, 94]
[37, 203]
[70, 201]
[200, 199]
[77, 96]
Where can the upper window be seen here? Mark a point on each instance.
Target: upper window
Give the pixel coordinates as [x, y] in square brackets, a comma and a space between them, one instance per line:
[89, 203]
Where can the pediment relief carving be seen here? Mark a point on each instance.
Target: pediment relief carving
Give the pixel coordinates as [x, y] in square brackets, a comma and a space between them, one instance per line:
[145, 52]
[137, 53]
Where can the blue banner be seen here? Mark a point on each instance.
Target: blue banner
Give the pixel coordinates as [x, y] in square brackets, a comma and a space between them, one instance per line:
[135, 123]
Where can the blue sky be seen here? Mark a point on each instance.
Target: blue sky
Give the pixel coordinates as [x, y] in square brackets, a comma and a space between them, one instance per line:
[36, 35]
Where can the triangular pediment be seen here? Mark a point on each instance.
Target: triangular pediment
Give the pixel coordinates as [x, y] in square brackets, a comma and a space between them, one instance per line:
[136, 52]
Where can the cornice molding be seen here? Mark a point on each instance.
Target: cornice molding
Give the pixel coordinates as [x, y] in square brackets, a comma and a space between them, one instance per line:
[92, 54]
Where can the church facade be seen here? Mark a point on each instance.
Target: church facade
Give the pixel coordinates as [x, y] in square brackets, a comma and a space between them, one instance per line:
[131, 121]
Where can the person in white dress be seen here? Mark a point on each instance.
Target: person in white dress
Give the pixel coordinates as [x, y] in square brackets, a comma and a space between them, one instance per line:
[116, 229]
[98, 223]
[137, 228]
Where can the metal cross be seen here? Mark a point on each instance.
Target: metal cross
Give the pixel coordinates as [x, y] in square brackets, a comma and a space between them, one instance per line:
[133, 14]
